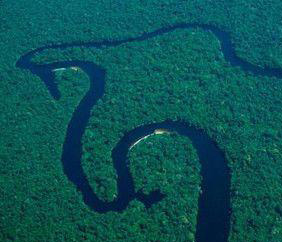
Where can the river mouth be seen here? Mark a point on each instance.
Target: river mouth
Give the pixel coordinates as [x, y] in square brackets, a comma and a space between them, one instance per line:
[213, 221]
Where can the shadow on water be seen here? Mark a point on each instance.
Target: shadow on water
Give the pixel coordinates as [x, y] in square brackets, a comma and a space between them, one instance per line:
[213, 221]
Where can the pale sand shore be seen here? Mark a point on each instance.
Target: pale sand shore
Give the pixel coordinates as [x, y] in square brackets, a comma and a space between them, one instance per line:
[156, 132]
[74, 68]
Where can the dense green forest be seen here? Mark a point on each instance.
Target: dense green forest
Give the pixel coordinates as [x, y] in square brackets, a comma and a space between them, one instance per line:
[181, 75]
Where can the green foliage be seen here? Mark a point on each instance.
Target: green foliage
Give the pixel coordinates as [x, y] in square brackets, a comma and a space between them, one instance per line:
[180, 75]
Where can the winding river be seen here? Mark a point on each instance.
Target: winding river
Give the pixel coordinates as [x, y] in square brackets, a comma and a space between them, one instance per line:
[213, 220]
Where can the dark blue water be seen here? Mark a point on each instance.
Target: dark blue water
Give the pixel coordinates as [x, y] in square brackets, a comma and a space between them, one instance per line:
[213, 222]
